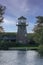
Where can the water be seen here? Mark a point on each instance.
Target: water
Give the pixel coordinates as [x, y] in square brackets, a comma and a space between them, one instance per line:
[20, 58]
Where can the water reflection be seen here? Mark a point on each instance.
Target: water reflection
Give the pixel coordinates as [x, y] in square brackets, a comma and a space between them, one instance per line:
[20, 58]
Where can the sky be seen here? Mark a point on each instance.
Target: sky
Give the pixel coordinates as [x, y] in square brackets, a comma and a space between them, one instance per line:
[17, 8]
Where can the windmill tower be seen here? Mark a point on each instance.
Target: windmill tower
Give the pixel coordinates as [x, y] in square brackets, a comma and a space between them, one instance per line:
[22, 31]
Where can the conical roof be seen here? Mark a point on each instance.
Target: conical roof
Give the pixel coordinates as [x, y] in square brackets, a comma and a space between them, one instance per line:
[22, 17]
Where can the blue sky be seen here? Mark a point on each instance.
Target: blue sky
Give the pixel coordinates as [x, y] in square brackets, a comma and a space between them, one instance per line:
[16, 8]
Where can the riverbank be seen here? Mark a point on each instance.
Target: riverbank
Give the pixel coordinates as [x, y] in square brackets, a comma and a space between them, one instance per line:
[23, 48]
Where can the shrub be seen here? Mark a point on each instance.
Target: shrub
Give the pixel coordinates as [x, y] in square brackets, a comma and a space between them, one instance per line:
[41, 49]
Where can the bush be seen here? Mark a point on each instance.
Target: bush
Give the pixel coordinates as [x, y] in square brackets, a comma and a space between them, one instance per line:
[41, 49]
[4, 45]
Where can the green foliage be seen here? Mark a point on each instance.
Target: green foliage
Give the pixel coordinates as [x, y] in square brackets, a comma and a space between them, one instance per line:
[7, 34]
[40, 49]
[40, 19]
[3, 45]
[2, 11]
[38, 36]
[30, 36]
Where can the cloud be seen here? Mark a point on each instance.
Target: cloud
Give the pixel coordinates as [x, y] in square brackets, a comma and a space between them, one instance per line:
[9, 22]
[22, 7]
[17, 8]
[9, 25]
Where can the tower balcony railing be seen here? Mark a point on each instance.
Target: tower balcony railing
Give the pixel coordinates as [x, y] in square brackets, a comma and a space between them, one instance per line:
[24, 24]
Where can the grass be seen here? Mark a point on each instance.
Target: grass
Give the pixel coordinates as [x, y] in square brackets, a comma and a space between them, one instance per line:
[24, 48]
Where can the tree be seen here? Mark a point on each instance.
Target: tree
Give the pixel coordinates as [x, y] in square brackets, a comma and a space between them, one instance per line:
[38, 29]
[2, 11]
